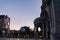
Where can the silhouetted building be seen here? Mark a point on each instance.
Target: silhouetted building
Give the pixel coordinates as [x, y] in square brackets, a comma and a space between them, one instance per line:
[51, 13]
[49, 18]
[4, 24]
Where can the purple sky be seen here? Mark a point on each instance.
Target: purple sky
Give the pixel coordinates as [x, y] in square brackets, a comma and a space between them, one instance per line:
[21, 12]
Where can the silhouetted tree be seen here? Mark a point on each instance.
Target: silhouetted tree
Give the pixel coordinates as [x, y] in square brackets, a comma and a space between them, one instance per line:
[24, 32]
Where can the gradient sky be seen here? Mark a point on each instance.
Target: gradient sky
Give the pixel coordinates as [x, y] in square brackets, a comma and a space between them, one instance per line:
[21, 12]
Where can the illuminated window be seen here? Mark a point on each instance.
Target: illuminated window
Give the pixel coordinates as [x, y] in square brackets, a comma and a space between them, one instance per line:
[39, 29]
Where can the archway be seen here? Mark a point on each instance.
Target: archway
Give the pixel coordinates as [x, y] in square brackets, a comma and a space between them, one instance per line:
[44, 23]
[37, 24]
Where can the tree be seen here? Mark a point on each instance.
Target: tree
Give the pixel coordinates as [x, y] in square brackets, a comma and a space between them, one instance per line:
[24, 32]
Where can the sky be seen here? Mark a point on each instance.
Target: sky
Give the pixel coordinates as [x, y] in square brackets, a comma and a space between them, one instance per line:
[21, 12]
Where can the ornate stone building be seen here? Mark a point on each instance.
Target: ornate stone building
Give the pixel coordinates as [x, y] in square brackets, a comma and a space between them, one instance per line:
[4, 25]
[52, 7]
[50, 20]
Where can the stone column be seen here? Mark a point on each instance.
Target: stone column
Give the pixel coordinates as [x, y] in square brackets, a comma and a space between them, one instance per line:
[43, 32]
[36, 32]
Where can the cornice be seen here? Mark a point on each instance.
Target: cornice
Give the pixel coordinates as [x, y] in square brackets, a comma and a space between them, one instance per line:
[46, 3]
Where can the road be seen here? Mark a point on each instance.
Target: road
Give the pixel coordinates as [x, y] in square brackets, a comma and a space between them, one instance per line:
[16, 39]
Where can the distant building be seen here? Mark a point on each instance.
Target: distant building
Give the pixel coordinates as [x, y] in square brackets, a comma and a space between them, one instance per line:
[4, 24]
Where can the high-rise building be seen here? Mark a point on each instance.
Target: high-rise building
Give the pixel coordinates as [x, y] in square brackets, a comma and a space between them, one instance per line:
[4, 24]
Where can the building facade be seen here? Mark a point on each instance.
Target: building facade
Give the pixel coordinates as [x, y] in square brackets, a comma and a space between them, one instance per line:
[50, 21]
[4, 24]
[52, 8]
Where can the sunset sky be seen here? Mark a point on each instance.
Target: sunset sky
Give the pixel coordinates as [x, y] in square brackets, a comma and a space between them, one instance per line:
[21, 12]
